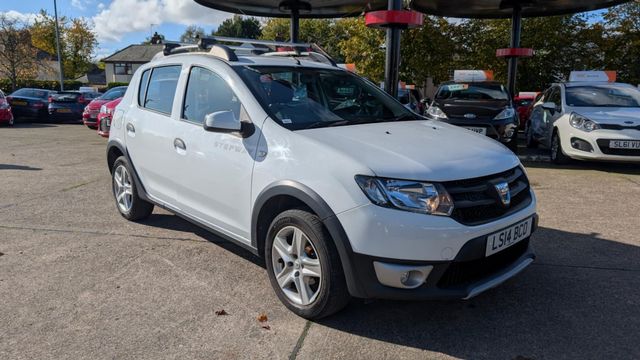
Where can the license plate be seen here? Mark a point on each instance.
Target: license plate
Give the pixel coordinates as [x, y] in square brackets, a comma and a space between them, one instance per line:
[624, 144]
[507, 237]
[479, 130]
[63, 110]
[17, 102]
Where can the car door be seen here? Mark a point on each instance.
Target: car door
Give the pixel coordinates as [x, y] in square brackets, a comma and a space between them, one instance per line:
[150, 131]
[216, 167]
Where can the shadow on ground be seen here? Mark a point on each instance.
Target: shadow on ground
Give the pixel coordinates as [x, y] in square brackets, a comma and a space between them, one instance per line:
[579, 300]
[18, 167]
[176, 223]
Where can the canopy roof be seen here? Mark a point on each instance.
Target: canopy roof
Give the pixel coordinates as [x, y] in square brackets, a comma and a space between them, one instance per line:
[308, 8]
[493, 9]
[450, 8]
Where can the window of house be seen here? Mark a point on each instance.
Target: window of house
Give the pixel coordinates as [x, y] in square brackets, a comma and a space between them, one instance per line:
[162, 88]
[123, 69]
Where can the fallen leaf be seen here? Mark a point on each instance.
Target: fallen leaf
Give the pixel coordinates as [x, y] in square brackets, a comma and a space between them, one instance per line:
[266, 327]
[262, 317]
[221, 312]
[1, 253]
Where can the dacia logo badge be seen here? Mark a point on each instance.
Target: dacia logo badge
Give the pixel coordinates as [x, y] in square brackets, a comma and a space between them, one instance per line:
[470, 116]
[504, 193]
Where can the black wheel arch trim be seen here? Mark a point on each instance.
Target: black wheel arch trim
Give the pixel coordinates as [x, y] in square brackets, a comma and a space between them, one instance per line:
[142, 193]
[315, 202]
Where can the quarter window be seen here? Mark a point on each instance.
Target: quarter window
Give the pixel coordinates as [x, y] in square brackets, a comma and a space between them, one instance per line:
[208, 93]
[144, 82]
[162, 88]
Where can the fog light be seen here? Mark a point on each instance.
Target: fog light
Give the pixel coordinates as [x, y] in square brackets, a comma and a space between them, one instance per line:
[580, 144]
[401, 276]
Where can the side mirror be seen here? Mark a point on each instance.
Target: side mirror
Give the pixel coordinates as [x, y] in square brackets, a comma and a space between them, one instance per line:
[426, 101]
[551, 106]
[222, 121]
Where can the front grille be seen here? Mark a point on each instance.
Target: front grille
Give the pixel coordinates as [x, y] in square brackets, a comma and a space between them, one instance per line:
[619, 127]
[467, 272]
[476, 201]
[603, 144]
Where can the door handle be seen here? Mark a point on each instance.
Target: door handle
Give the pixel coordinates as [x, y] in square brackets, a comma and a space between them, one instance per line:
[131, 128]
[179, 144]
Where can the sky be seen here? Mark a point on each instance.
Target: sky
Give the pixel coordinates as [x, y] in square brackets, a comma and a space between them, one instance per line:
[119, 23]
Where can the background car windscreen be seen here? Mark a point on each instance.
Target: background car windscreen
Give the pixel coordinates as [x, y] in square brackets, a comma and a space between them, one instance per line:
[603, 96]
[472, 92]
[302, 98]
[113, 94]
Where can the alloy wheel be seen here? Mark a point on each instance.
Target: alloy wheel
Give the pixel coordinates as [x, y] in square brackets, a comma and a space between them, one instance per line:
[122, 188]
[296, 265]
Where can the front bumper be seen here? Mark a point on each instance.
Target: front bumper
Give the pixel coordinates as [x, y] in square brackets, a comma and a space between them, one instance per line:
[505, 131]
[454, 253]
[598, 142]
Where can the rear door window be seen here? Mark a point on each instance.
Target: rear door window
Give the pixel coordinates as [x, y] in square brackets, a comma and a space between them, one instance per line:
[162, 88]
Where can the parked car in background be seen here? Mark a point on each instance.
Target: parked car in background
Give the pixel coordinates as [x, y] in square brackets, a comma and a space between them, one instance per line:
[484, 107]
[524, 103]
[89, 96]
[90, 113]
[105, 115]
[587, 121]
[66, 106]
[6, 116]
[412, 100]
[30, 103]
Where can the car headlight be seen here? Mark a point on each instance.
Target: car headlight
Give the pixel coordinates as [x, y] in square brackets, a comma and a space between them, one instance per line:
[507, 113]
[582, 123]
[436, 113]
[103, 109]
[415, 196]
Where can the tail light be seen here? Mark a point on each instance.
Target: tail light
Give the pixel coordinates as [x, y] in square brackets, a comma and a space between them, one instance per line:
[37, 105]
[50, 98]
[9, 99]
[81, 99]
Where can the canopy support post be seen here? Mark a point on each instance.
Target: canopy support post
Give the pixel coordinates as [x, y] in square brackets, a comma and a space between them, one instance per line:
[516, 27]
[392, 55]
[295, 24]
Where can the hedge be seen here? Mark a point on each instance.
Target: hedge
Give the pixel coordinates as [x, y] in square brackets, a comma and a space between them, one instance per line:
[114, 84]
[5, 84]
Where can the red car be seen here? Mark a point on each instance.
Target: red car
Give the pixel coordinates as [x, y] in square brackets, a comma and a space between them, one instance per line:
[524, 103]
[90, 114]
[6, 116]
[104, 117]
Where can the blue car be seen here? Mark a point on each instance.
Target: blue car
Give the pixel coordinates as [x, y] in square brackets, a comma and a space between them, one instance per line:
[66, 106]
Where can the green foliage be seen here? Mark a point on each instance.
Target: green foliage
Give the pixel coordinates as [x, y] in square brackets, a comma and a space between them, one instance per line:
[239, 27]
[5, 85]
[116, 83]
[191, 33]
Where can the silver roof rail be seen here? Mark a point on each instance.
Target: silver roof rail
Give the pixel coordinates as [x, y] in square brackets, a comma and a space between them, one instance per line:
[212, 45]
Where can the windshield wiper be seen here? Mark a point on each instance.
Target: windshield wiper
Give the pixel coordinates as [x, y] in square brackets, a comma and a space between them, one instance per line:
[404, 117]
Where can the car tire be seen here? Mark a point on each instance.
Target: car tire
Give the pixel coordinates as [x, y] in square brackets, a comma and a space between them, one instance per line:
[530, 141]
[557, 154]
[322, 295]
[125, 192]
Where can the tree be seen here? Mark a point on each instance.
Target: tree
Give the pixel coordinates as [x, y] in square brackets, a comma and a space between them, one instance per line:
[239, 27]
[325, 33]
[43, 31]
[78, 48]
[622, 49]
[362, 46]
[17, 55]
[191, 34]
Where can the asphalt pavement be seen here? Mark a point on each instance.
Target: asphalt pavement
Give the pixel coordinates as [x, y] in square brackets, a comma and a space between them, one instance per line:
[77, 281]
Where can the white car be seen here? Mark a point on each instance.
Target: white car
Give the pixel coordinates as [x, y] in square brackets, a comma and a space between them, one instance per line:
[341, 189]
[587, 121]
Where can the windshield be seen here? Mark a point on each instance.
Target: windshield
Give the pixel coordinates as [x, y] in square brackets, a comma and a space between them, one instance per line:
[305, 98]
[113, 94]
[610, 95]
[35, 93]
[472, 92]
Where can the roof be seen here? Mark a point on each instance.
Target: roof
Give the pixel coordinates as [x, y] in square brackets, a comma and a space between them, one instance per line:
[318, 8]
[586, 83]
[449, 8]
[493, 9]
[255, 60]
[137, 53]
